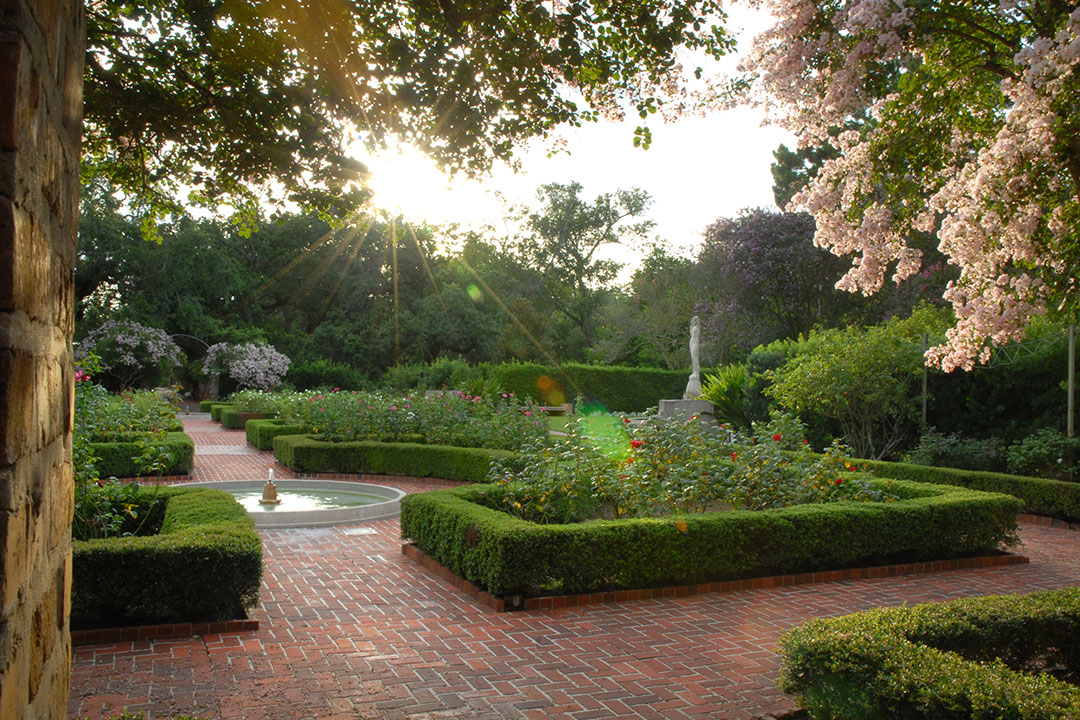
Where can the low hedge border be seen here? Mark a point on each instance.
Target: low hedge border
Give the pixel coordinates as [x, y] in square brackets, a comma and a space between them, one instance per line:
[304, 454]
[969, 658]
[1041, 496]
[234, 418]
[117, 459]
[507, 556]
[261, 432]
[206, 403]
[204, 564]
[217, 408]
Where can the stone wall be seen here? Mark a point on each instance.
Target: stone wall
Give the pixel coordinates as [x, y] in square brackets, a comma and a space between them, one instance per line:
[41, 58]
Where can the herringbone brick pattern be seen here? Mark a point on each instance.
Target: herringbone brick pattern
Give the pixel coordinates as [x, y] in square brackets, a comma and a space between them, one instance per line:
[350, 628]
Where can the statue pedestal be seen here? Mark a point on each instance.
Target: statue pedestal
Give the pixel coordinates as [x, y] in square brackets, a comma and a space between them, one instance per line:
[704, 409]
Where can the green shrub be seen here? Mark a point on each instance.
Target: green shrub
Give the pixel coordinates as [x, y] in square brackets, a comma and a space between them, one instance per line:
[323, 374]
[121, 458]
[234, 418]
[971, 658]
[217, 408]
[261, 432]
[1041, 496]
[956, 451]
[206, 403]
[302, 453]
[1047, 453]
[204, 564]
[619, 389]
[731, 390]
[507, 556]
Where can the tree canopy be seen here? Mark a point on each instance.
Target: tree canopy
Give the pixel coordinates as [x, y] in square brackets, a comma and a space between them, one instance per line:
[245, 103]
[954, 119]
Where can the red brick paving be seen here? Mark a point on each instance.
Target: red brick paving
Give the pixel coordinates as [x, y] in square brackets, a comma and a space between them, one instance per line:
[350, 628]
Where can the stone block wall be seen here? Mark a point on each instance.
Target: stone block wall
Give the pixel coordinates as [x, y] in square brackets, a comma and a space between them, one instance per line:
[41, 60]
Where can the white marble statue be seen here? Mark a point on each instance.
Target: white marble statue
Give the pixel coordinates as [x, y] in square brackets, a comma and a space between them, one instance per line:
[693, 386]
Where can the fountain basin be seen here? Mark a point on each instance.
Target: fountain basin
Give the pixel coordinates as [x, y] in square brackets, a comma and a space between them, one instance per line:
[313, 503]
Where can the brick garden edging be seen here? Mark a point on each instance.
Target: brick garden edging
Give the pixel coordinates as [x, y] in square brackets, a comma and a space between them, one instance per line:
[554, 602]
[1047, 521]
[160, 632]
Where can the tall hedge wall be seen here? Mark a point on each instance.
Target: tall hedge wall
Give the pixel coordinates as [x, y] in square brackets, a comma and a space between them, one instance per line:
[508, 556]
[620, 389]
[204, 563]
[966, 659]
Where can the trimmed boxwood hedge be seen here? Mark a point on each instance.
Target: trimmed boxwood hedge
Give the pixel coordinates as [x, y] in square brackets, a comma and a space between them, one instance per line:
[302, 453]
[204, 563]
[206, 403]
[507, 556]
[970, 658]
[619, 389]
[117, 459]
[1041, 496]
[217, 408]
[261, 432]
[234, 418]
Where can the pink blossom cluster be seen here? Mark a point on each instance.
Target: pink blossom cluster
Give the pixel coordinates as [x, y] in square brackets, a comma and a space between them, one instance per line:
[1001, 198]
[252, 365]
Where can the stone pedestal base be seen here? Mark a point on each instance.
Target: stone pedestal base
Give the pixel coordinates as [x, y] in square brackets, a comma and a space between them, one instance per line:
[704, 409]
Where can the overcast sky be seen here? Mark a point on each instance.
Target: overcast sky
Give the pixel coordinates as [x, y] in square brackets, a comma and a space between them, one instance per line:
[697, 170]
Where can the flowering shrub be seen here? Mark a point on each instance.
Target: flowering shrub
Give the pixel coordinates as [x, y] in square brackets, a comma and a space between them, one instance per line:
[126, 350]
[102, 507]
[1046, 453]
[666, 466]
[251, 365]
[447, 419]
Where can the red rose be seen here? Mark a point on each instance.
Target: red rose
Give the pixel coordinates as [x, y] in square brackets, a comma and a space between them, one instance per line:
[839, 480]
[635, 444]
[776, 437]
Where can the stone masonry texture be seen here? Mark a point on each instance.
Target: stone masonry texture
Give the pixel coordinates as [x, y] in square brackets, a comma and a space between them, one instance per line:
[41, 59]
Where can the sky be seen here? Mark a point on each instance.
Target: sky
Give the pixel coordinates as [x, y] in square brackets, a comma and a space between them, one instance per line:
[697, 170]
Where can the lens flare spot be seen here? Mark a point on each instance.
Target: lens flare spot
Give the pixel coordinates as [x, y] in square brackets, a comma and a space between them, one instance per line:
[544, 383]
[475, 293]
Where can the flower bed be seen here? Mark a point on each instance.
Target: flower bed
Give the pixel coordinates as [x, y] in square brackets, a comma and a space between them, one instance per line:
[462, 529]
[193, 555]
[305, 454]
[986, 657]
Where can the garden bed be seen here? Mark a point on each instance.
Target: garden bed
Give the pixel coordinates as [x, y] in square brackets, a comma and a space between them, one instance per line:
[304, 454]
[195, 557]
[987, 657]
[512, 558]
[121, 458]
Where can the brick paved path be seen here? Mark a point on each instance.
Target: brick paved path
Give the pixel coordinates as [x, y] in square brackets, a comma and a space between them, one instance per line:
[352, 629]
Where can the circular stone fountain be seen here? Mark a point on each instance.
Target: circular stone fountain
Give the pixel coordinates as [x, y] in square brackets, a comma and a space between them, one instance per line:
[313, 503]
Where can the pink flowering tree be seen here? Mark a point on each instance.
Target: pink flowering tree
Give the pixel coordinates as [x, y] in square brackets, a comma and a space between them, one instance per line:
[257, 366]
[127, 350]
[955, 122]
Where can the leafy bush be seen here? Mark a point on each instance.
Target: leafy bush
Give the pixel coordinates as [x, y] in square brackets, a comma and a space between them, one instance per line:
[956, 451]
[664, 466]
[463, 530]
[323, 374]
[204, 564]
[304, 454]
[731, 389]
[619, 389]
[1041, 496]
[1047, 453]
[985, 657]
